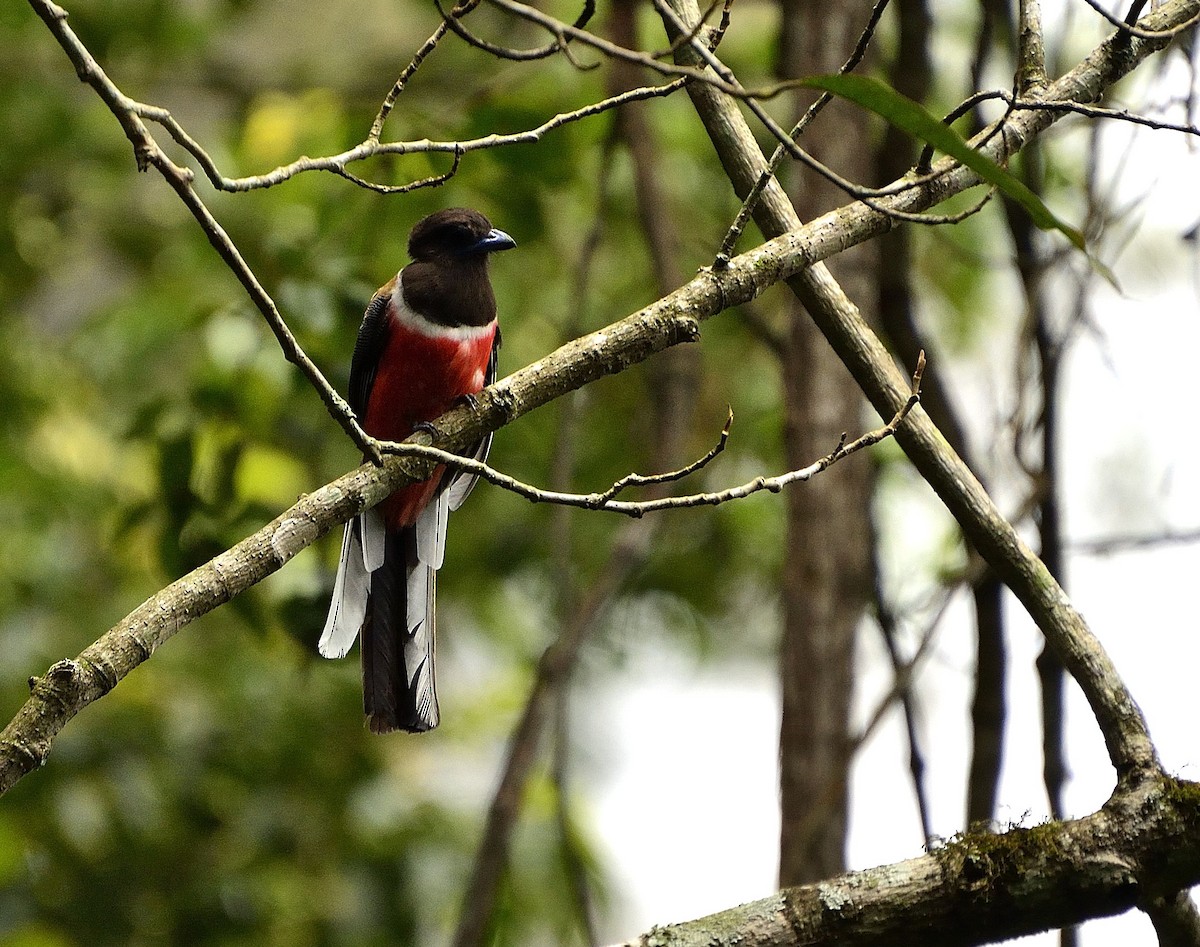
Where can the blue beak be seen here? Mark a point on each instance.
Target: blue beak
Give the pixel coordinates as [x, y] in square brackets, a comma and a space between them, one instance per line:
[495, 241]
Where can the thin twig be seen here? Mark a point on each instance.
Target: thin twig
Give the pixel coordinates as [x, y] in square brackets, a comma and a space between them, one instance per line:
[1126, 27]
[934, 220]
[638, 509]
[904, 671]
[336, 164]
[888, 628]
[925, 159]
[1133, 542]
[560, 43]
[644, 480]
[434, 180]
[1097, 111]
[389, 100]
[751, 201]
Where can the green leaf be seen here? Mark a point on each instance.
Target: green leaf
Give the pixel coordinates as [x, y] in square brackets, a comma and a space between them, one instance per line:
[913, 118]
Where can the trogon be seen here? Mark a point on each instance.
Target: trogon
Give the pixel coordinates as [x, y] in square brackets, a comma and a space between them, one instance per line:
[428, 340]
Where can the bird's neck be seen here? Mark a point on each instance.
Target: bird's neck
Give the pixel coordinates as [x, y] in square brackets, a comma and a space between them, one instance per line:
[449, 293]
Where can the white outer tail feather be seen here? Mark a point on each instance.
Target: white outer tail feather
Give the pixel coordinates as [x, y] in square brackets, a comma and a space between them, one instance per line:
[374, 538]
[421, 619]
[348, 607]
[431, 533]
[419, 648]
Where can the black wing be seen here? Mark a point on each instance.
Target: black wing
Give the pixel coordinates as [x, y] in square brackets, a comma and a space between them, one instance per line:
[494, 361]
[372, 338]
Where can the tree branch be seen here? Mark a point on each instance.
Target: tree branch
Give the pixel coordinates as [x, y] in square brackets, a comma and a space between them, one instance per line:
[1031, 48]
[981, 888]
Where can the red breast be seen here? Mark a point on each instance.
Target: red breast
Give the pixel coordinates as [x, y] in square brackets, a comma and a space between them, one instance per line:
[424, 369]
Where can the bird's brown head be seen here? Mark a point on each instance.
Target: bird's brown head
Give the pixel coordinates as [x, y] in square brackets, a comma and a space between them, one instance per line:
[447, 280]
[456, 233]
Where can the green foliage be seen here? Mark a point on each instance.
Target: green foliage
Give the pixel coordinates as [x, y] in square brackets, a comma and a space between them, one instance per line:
[913, 118]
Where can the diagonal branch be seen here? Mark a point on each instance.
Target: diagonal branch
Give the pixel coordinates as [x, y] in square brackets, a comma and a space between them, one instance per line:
[389, 100]
[371, 148]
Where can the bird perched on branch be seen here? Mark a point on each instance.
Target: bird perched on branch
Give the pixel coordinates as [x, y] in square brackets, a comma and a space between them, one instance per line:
[429, 339]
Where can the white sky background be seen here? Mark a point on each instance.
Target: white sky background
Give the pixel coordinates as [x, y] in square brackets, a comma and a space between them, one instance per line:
[687, 807]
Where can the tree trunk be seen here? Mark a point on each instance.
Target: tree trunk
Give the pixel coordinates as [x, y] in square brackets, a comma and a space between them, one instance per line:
[827, 566]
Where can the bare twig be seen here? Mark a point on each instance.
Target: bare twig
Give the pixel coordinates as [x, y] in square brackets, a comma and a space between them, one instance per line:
[1017, 103]
[888, 629]
[1096, 111]
[639, 508]
[560, 44]
[825, 797]
[1133, 542]
[434, 180]
[1129, 28]
[389, 100]
[336, 164]
[934, 220]
[645, 480]
[925, 159]
[903, 673]
[748, 205]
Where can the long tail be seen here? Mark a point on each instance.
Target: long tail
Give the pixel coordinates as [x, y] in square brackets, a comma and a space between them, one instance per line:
[385, 590]
[399, 691]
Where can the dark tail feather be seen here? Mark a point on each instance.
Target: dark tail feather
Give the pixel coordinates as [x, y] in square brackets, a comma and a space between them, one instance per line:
[396, 696]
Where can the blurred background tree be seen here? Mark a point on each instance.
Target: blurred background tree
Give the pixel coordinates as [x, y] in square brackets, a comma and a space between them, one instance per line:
[226, 794]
